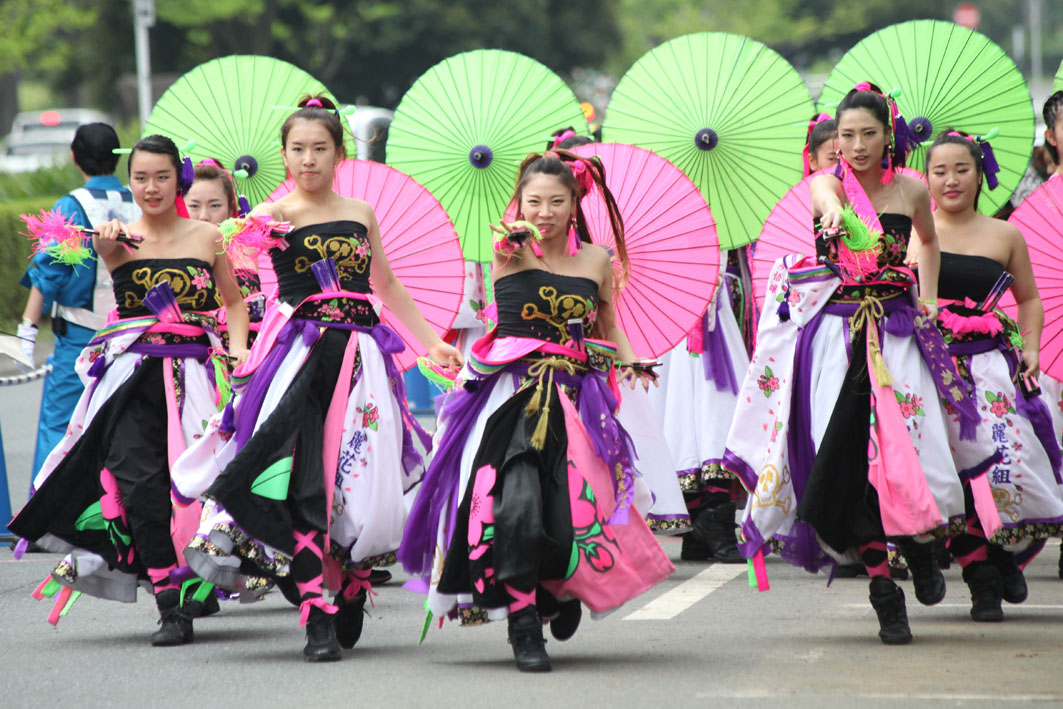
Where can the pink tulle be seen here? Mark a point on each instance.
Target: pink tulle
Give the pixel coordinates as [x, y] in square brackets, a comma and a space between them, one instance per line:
[985, 324]
[246, 237]
[51, 228]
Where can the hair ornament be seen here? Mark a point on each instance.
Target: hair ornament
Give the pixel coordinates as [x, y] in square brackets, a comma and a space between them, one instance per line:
[583, 176]
[563, 137]
[990, 166]
[314, 102]
[806, 156]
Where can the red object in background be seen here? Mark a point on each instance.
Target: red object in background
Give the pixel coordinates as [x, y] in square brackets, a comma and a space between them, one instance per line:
[50, 118]
[967, 15]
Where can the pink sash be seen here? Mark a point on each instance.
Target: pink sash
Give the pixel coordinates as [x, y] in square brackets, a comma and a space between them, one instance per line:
[611, 563]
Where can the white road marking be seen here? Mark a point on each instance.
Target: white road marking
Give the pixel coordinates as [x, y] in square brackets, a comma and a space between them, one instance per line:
[686, 594]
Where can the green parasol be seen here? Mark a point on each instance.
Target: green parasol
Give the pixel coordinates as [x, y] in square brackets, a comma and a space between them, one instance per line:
[464, 127]
[226, 107]
[729, 112]
[949, 76]
[1057, 84]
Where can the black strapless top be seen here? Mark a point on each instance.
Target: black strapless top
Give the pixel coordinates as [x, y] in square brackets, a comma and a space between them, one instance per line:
[537, 303]
[967, 276]
[892, 245]
[191, 280]
[347, 242]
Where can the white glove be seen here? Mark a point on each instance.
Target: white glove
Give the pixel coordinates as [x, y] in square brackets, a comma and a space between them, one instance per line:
[28, 340]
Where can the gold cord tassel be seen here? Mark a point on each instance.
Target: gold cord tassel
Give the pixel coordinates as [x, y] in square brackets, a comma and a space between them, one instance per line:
[538, 439]
[867, 316]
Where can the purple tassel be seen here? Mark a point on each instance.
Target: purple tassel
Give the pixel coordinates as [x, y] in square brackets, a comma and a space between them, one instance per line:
[784, 311]
[903, 141]
[187, 177]
[20, 549]
[243, 206]
[228, 419]
[990, 167]
[98, 367]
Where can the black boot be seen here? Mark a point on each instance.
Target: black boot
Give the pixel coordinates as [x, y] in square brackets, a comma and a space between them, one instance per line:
[526, 637]
[887, 598]
[564, 625]
[1015, 589]
[715, 526]
[349, 618]
[987, 591]
[321, 643]
[176, 624]
[941, 551]
[694, 549]
[926, 575]
[200, 609]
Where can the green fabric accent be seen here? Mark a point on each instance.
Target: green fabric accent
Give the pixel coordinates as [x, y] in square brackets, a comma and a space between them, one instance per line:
[69, 603]
[203, 591]
[752, 573]
[272, 483]
[573, 561]
[427, 624]
[51, 588]
[91, 518]
[221, 381]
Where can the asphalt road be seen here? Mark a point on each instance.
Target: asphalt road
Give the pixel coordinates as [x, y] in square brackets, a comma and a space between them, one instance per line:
[702, 638]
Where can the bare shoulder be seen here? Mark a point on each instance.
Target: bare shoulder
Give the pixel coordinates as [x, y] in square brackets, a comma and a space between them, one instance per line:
[273, 210]
[825, 180]
[359, 210]
[203, 232]
[1001, 229]
[597, 256]
[912, 186]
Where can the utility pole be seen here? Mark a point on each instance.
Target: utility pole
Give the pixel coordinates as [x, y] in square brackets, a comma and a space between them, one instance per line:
[143, 18]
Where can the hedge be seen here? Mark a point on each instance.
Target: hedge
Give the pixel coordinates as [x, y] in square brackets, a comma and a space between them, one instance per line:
[14, 255]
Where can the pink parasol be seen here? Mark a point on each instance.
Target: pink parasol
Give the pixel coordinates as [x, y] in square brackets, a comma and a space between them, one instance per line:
[418, 237]
[1040, 219]
[671, 242]
[788, 230]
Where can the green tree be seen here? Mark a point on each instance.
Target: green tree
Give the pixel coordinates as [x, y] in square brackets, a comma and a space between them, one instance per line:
[35, 36]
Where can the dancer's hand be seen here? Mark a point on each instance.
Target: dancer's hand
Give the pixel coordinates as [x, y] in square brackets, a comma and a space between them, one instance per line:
[1033, 364]
[238, 357]
[831, 222]
[446, 355]
[929, 309]
[630, 375]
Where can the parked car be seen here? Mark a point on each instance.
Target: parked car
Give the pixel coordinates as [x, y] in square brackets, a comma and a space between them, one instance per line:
[42, 138]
